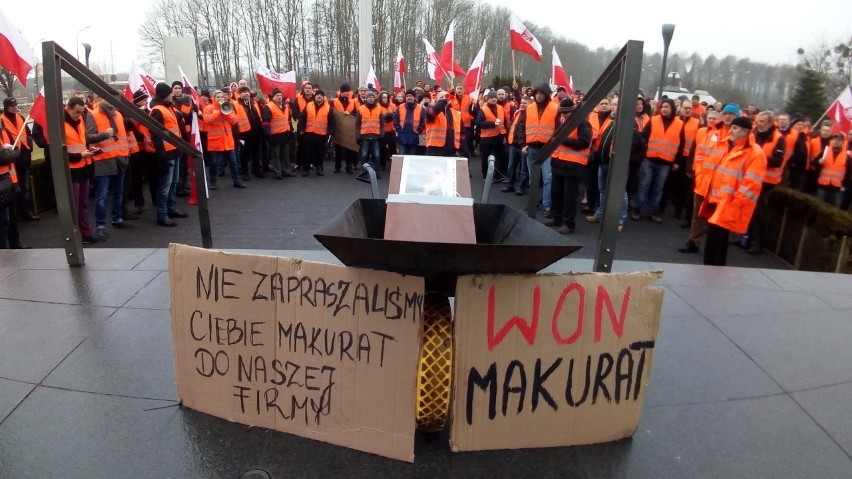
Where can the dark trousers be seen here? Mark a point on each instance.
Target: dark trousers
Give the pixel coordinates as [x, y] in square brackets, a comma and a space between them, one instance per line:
[501, 160]
[250, 156]
[136, 179]
[441, 150]
[344, 156]
[716, 246]
[152, 174]
[565, 193]
[313, 154]
[388, 147]
[675, 190]
[758, 225]
[846, 199]
[467, 142]
[407, 149]
[590, 181]
[22, 168]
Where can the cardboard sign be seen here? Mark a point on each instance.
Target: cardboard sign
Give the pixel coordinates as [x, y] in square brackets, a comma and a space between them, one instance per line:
[317, 350]
[551, 360]
[344, 130]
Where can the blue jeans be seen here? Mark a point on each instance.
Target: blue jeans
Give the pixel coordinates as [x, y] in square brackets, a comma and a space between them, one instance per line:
[406, 149]
[370, 152]
[603, 174]
[103, 184]
[167, 188]
[518, 170]
[546, 176]
[218, 160]
[652, 178]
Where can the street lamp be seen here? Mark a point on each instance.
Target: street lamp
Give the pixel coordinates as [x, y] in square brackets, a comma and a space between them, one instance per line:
[205, 47]
[77, 39]
[668, 31]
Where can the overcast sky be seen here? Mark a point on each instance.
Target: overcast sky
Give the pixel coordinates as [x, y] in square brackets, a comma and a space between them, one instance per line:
[762, 31]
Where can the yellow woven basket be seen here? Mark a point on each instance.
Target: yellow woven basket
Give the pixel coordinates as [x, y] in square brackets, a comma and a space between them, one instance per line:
[434, 374]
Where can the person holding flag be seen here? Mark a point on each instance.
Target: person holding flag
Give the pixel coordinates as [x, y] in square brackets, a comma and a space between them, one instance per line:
[23, 141]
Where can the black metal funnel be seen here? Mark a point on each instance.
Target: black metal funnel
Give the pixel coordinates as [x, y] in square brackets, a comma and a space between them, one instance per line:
[507, 241]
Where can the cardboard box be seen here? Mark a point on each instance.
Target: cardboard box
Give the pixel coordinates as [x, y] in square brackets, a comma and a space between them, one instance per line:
[317, 350]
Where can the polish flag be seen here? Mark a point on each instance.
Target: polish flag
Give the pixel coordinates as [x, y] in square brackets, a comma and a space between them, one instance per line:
[448, 51]
[16, 54]
[186, 84]
[136, 79]
[558, 76]
[522, 39]
[433, 62]
[268, 79]
[473, 79]
[372, 79]
[38, 112]
[839, 112]
[399, 71]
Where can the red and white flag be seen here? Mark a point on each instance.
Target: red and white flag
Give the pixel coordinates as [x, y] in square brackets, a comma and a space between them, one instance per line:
[448, 50]
[398, 72]
[16, 54]
[522, 39]
[473, 79]
[433, 62]
[136, 79]
[268, 79]
[372, 79]
[558, 76]
[38, 112]
[840, 111]
[186, 84]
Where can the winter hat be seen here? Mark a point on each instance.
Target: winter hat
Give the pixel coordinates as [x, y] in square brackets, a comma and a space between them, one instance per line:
[162, 90]
[9, 102]
[275, 91]
[410, 92]
[492, 94]
[177, 83]
[140, 95]
[345, 88]
[544, 88]
[370, 92]
[732, 108]
[741, 121]
[566, 105]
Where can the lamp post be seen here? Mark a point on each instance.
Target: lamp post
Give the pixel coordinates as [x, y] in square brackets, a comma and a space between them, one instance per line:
[205, 47]
[87, 50]
[668, 31]
[77, 39]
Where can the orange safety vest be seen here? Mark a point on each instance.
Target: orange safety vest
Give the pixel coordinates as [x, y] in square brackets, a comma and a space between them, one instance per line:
[663, 142]
[132, 144]
[5, 138]
[462, 106]
[371, 120]
[598, 127]
[243, 123]
[711, 147]
[815, 148]
[570, 155]
[641, 121]
[436, 132]
[170, 123]
[338, 105]
[540, 129]
[317, 120]
[388, 125]
[15, 130]
[280, 122]
[415, 119]
[498, 130]
[773, 175]
[116, 145]
[187, 118]
[690, 128]
[735, 186]
[75, 142]
[147, 142]
[515, 120]
[220, 132]
[833, 168]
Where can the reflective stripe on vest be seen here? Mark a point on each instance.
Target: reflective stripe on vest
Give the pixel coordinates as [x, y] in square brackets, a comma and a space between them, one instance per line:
[515, 120]
[75, 142]
[280, 122]
[773, 174]
[370, 120]
[111, 147]
[4, 139]
[569, 155]
[338, 105]
[388, 125]
[15, 130]
[462, 107]
[540, 129]
[489, 116]
[170, 123]
[317, 121]
[833, 169]
[436, 132]
[664, 141]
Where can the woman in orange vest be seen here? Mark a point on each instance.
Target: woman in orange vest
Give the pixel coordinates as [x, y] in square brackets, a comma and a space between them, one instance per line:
[569, 170]
[277, 127]
[733, 192]
[388, 143]
[665, 141]
[221, 148]
[832, 170]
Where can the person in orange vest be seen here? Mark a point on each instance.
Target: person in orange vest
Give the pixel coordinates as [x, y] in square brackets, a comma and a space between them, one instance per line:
[316, 127]
[183, 105]
[679, 186]
[518, 176]
[796, 150]
[388, 143]
[80, 164]
[409, 123]
[491, 121]
[769, 139]
[8, 155]
[599, 120]
[734, 188]
[14, 122]
[277, 127]
[817, 146]
[537, 129]
[832, 170]
[221, 147]
[462, 103]
[342, 155]
[369, 123]
[251, 134]
[167, 156]
[136, 170]
[105, 131]
[569, 170]
[698, 110]
[443, 128]
[663, 134]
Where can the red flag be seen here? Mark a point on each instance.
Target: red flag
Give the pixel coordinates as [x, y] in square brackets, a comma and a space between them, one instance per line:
[372, 79]
[448, 51]
[522, 39]
[398, 71]
[16, 55]
[839, 112]
[558, 76]
[400, 62]
[38, 112]
[433, 62]
[136, 79]
[268, 79]
[186, 84]
[473, 79]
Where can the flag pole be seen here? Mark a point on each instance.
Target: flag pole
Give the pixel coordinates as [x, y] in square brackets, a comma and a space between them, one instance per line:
[514, 75]
[23, 128]
[403, 81]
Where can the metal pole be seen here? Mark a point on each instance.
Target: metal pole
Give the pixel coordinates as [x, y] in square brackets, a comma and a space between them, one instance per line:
[365, 39]
[72, 241]
[668, 31]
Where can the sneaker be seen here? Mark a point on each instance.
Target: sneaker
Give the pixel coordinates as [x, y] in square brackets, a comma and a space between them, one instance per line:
[102, 235]
[620, 227]
[212, 186]
[548, 213]
[656, 219]
[520, 193]
[593, 219]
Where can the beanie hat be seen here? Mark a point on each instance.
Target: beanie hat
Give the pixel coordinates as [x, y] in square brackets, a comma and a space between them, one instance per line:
[544, 88]
[319, 92]
[205, 94]
[275, 91]
[140, 95]
[566, 103]
[9, 102]
[492, 94]
[741, 121]
[345, 88]
[410, 92]
[162, 90]
[732, 108]
[370, 92]
[177, 83]
[244, 89]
